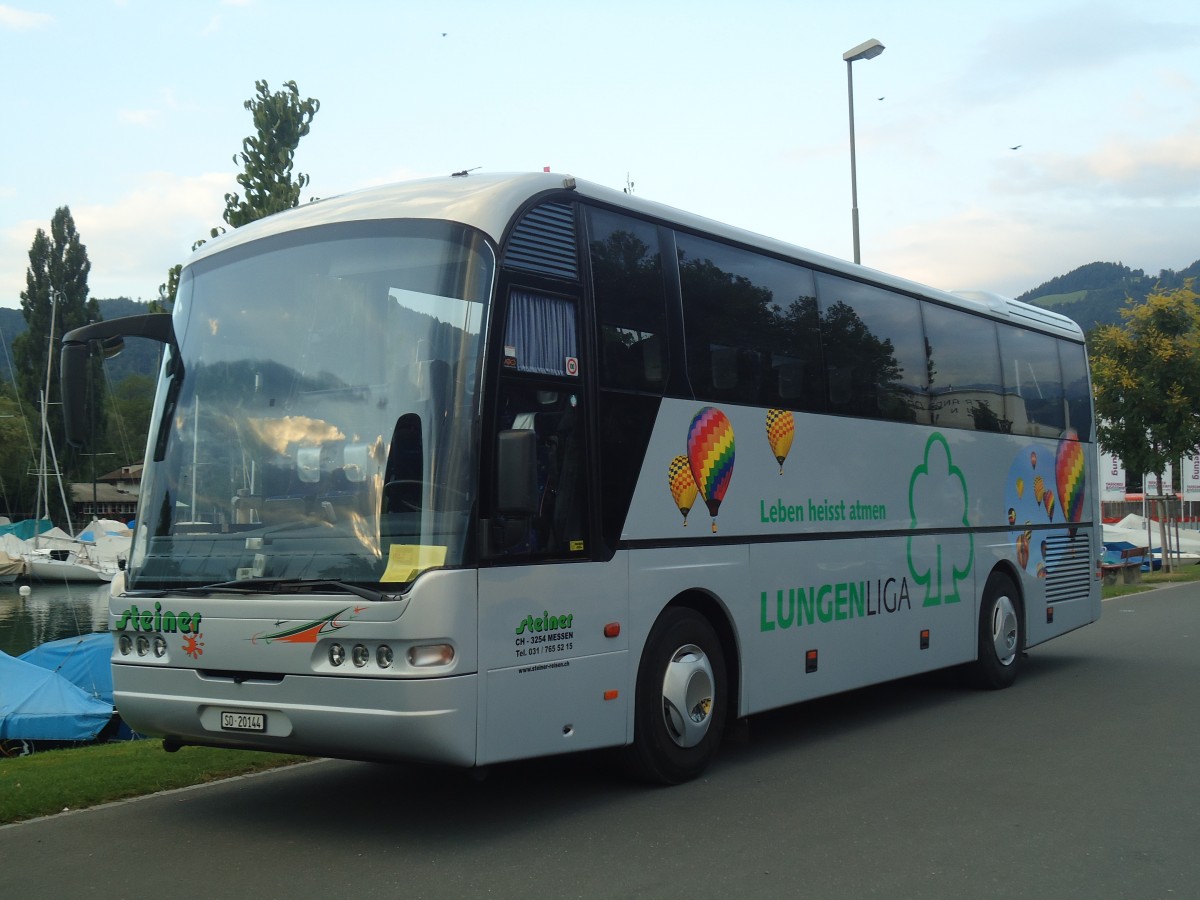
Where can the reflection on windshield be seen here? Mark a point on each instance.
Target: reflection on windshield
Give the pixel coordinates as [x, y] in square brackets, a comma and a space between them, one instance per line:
[323, 428]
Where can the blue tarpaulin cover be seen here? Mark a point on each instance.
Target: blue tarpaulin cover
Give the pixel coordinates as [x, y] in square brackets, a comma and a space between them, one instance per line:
[26, 529]
[84, 661]
[37, 704]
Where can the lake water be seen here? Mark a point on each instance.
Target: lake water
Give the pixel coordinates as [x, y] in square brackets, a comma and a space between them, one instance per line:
[50, 612]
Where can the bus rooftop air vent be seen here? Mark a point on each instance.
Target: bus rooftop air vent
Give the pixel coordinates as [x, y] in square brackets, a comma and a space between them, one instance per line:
[544, 242]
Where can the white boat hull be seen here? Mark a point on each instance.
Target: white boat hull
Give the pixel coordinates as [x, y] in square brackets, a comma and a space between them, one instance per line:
[42, 567]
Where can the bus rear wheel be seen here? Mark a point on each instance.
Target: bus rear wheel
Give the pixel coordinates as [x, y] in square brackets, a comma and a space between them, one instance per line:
[681, 699]
[1001, 634]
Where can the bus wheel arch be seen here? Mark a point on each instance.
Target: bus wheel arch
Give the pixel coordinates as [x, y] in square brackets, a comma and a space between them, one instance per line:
[682, 700]
[1002, 631]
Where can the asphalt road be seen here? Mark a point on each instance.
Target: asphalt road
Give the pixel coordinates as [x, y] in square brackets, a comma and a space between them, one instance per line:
[1080, 781]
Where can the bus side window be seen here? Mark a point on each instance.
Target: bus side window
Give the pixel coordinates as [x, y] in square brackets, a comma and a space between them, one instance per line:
[966, 387]
[627, 283]
[751, 326]
[876, 335]
[1077, 393]
[1032, 382]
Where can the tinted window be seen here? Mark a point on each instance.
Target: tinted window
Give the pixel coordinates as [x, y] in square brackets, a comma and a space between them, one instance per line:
[874, 351]
[966, 389]
[1077, 389]
[1032, 382]
[628, 287]
[751, 325]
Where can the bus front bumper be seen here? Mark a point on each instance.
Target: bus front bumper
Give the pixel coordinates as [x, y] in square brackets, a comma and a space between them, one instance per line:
[422, 720]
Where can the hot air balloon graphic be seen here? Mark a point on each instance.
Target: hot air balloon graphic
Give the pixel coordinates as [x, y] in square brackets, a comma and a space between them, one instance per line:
[683, 485]
[1070, 474]
[1048, 502]
[1039, 488]
[781, 428]
[710, 456]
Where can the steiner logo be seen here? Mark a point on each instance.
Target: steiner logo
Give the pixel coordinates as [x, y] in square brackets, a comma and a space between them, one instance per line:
[159, 619]
[545, 622]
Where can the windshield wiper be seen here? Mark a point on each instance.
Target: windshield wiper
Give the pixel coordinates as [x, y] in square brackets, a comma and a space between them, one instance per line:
[278, 586]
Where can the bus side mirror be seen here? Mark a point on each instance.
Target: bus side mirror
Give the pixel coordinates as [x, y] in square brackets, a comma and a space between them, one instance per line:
[110, 336]
[77, 412]
[516, 474]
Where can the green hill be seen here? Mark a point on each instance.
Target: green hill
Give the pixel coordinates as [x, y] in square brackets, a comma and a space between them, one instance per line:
[1094, 294]
[139, 357]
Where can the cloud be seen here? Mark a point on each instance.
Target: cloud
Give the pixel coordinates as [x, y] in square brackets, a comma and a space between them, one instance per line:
[1023, 55]
[1014, 250]
[14, 19]
[143, 117]
[130, 242]
[1162, 170]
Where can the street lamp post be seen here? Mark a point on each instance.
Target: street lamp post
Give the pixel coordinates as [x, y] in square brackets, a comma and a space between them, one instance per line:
[866, 50]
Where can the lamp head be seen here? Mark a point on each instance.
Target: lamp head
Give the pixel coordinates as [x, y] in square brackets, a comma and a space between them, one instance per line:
[866, 50]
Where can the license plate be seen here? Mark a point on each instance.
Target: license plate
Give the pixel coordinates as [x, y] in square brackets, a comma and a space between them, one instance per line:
[243, 721]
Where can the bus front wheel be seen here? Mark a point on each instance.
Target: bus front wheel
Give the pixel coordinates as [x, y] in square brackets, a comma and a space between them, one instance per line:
[681, 699]
[1001, 634]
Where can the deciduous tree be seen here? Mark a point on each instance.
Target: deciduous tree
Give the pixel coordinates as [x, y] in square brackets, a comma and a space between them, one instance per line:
[1146, 375]
[267, 158]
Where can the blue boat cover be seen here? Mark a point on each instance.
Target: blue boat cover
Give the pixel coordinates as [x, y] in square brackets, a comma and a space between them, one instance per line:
[84, 661]
[27, 528]
[39, 705]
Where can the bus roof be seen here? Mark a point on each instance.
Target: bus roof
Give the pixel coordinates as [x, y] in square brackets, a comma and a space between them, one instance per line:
[490, 202]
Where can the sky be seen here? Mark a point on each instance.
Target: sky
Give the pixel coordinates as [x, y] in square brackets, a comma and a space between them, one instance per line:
[130, 112]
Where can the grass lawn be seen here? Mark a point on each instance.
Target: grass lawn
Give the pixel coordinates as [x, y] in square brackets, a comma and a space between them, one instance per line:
[49, 782]
[1152, 580]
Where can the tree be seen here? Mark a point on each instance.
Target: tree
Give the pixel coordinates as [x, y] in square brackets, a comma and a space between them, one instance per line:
[267, 158]
[56, 292]
[16, 488]
[1146, 375]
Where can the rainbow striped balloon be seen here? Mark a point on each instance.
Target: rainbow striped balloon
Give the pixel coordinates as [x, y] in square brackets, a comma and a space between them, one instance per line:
[781, 428]
[682, 484]
[1070, 472]
[710, 455]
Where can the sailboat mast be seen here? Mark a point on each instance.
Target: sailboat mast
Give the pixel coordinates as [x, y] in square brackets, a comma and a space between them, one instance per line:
[43, 484]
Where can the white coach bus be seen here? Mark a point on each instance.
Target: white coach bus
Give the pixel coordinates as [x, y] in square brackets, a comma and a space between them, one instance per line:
[480, 468]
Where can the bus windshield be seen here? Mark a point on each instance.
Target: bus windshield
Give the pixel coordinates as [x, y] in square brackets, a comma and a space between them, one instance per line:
[319, 422]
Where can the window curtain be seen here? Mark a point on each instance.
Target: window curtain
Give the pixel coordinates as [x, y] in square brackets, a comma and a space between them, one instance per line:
[540, 335]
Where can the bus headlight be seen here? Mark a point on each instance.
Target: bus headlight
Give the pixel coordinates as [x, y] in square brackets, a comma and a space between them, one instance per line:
[160, 646]
[125, 644]
[337, 655]
[360, 655]
[143, 645]
[384, 656]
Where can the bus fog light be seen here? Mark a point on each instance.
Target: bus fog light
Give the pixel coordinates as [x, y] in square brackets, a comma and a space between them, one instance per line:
[337, 655]
[359, 655]
[431, 655]
[384, 656]
[125, 644]
[143, 645]
[160, 646]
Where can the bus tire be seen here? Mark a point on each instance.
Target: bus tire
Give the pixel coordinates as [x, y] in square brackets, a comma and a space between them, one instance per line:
[1001, 634]
[681, 700]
